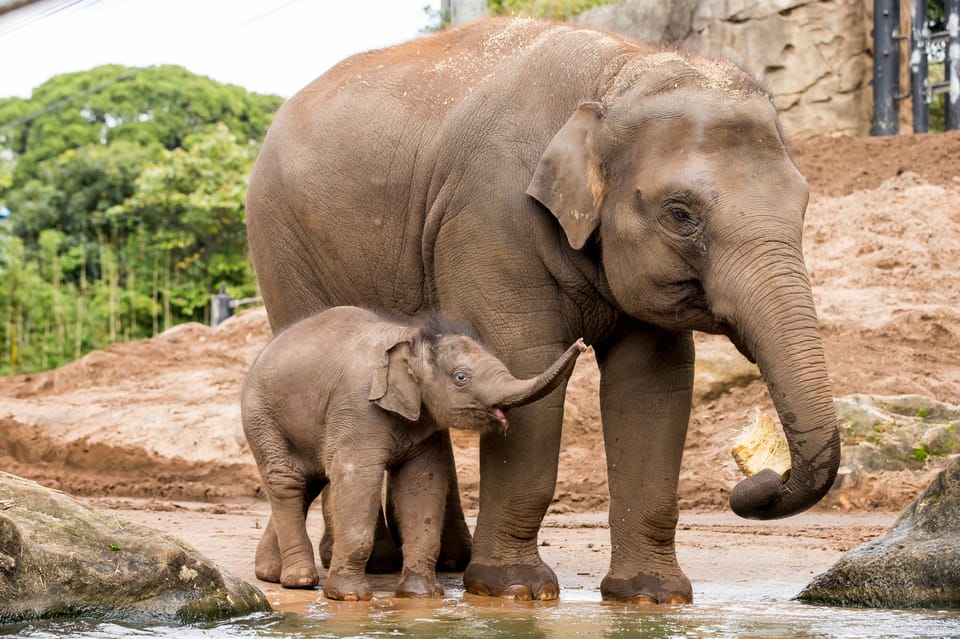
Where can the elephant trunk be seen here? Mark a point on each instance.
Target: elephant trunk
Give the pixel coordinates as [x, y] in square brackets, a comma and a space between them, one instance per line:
[524, 391]
[778, 326]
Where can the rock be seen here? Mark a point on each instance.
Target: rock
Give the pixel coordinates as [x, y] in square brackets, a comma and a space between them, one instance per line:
[812, 54]
[719, 368]
[898, 432]
[941, 439]
[917, 564]
[59, 558]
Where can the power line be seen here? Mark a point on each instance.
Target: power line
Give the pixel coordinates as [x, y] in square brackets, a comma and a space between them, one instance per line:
[59, 103]
[269, 12]
[62, 5]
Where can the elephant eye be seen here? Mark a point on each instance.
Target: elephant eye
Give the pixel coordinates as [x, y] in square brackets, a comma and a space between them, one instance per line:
[460, 378]
[681, 220]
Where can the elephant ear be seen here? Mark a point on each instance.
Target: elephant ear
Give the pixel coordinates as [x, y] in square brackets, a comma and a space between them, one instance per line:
[567, 180]
[394, 387]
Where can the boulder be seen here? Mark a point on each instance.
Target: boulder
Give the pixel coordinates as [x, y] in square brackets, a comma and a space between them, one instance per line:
[896, 432]
[59, 558]
[916, 565]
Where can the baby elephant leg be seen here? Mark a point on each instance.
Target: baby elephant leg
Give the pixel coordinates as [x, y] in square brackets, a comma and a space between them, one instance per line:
[268, 564]
[353, 503]
[286, 534]
[419, 499]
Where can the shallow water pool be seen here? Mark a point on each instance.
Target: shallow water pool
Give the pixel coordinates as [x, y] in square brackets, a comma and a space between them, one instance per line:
[754, 611]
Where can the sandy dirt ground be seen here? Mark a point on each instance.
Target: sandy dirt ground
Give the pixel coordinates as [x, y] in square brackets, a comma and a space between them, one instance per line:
[149, 426]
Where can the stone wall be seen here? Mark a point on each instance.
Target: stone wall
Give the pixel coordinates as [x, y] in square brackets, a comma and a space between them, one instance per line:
[813, 55]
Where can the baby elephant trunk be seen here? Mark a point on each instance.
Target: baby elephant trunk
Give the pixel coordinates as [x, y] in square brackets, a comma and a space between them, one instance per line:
[530, 390]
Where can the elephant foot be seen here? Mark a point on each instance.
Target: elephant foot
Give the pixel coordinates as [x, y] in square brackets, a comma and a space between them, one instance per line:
[299, 577]
[268, 570]
[648, 589]
[513, 581]
[346, 588]
[267, 564]
[418, 586]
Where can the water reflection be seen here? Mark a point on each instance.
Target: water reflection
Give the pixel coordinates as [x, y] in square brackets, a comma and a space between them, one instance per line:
[578, 614]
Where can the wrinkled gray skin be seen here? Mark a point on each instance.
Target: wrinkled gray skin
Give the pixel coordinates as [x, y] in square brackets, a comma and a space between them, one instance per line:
[541, 182]
[340, 397]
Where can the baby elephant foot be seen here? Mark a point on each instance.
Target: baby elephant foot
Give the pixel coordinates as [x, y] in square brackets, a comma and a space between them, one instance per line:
[515, 581]
[648, 589]
[267, 564]
[268, 570]
[418, 586]
[299, 577]
[346, 588]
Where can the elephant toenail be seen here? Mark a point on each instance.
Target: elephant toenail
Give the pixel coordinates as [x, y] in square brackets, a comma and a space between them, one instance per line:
[677, 598]
[643, 600]
[518, 592]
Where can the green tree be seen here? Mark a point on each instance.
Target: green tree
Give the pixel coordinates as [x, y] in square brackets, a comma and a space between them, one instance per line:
[192, 202]
[126, 190]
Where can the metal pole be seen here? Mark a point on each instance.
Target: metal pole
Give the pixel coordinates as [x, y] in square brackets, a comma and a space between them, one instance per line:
[220, 306]
[886, 67]
[919, 77]
[952, 66]
[464, 11]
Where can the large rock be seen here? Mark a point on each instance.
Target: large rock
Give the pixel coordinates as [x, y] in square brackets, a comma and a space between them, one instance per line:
[917, 564]
[59, 558]
[896, 432]
[813, 55]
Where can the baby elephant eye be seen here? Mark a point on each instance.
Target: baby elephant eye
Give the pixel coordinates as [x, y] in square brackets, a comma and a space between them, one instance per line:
[461, 378]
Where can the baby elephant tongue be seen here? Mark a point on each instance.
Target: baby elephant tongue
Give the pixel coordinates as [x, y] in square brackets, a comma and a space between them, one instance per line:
[499, 415]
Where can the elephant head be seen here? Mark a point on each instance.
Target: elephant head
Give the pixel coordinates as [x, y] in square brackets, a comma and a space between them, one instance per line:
[457, 381]
[681, 182]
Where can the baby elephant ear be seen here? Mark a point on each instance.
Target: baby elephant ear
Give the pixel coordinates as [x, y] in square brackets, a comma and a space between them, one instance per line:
[567, 180]
[394, 387]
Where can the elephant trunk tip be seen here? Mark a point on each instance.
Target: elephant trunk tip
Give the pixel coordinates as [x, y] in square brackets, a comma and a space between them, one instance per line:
[769, 495]
[537, 387]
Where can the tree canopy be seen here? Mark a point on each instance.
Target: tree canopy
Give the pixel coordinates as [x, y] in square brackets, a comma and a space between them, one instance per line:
[125, 189]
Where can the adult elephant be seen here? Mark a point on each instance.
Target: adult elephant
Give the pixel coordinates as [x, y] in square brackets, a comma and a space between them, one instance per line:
[542, 182]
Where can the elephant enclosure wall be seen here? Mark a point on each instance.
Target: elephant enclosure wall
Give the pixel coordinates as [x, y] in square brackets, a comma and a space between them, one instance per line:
[160, 418]
[814, 56]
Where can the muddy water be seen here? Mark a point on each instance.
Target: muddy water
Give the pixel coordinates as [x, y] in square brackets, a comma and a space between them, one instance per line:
[744, 576]
[760, 610]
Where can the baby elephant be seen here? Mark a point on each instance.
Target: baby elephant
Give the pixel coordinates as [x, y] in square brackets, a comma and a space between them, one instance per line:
[341, 396]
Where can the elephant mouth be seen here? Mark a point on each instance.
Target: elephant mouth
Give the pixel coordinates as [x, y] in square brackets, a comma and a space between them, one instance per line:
[497, 413]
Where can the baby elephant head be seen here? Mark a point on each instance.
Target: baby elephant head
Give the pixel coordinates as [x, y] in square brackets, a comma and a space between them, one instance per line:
[457, 381]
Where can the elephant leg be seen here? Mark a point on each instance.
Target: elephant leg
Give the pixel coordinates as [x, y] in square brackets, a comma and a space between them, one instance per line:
[455, 540]
[418, 499]
[352, 509]
[289, 522]
[385, 556]
[268, 564]
[646, 381]
[518, 474]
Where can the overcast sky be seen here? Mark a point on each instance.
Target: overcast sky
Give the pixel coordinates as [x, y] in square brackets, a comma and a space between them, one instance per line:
[268, 46]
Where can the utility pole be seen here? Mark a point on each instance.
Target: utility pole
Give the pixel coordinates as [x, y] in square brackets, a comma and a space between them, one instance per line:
[464, 11]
